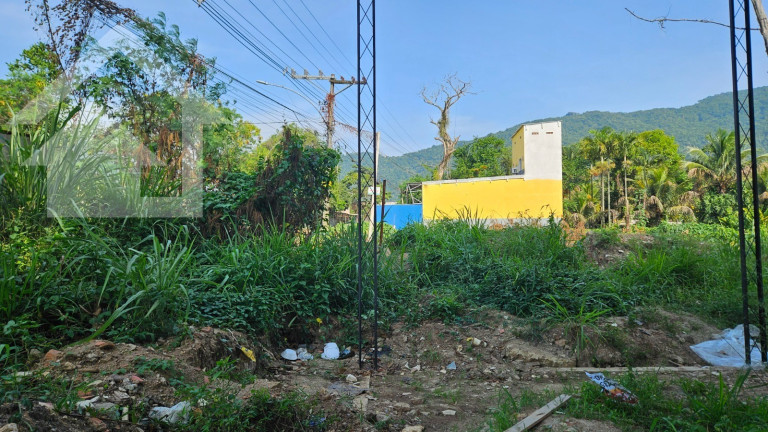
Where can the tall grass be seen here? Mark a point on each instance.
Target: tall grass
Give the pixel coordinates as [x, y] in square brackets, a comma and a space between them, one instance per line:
[51, 164]
[512, 269]
[277, 283]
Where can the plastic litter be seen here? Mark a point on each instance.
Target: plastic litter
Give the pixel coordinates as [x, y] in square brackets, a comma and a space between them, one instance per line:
[304, 355]
[344, 389]
[178, 413]
[347, 353]
[451, 366]
[612, 388]
[316, 421]
[330, 352]
[85, 404]
[248, 353]
[728, 350]
[289, 354]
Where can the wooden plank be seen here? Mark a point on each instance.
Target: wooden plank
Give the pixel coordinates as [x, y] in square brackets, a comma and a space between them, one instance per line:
[539, 415]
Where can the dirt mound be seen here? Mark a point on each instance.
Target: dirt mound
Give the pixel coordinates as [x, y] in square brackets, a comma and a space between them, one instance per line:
[654, 338]
[123, 382]
[442, 376]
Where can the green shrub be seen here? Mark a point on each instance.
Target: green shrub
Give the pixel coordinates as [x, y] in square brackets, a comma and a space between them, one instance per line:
[717, 208]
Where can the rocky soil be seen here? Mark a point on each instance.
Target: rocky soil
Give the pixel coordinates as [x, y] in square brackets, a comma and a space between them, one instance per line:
[431, 377]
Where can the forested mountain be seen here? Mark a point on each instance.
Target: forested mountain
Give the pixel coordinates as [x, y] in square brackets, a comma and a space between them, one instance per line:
[687, 124]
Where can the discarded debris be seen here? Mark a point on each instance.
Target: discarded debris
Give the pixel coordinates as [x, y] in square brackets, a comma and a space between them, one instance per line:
[347, 353]
[317, 421]
[612, 388]
[289, 354]
[728, 349]
[178, 413]
[304, 355]
[330, 351]
[451, 366]
[351, 379]
[85, 404]
[540, 414]
[248, 353]
[449, 412]
[343, 389]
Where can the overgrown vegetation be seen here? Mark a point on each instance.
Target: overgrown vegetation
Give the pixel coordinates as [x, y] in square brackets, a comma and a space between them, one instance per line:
[260, 261]
[665, 405]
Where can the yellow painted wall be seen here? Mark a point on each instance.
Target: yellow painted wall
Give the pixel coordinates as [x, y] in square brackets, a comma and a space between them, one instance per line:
[493, 199]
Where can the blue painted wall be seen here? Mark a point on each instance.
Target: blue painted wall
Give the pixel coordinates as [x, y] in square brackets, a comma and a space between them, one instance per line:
[400, 215]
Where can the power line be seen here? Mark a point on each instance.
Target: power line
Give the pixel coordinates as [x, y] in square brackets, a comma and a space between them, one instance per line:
[244, 40]
[283, 34]
[338, 63]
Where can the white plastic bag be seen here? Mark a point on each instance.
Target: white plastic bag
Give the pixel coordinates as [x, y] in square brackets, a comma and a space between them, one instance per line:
[728, 350]
[289, 354]
[330, 351]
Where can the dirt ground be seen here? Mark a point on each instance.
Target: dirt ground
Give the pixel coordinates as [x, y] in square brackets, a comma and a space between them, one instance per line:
[415, 385]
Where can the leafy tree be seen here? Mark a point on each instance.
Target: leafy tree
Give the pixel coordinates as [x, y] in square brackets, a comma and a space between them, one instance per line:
[227, 143]
[293, 186]
[345, 190]
[656, 142]
[507, 161]
[27, 77]
[480, 158]
[575, 170]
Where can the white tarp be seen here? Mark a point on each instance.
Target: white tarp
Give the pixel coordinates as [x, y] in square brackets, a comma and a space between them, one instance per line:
[728, 349]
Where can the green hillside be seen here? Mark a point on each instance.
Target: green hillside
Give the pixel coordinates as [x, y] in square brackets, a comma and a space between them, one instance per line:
[688, 125]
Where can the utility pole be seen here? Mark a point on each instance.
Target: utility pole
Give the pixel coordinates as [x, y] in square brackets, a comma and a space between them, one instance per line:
[330, 98]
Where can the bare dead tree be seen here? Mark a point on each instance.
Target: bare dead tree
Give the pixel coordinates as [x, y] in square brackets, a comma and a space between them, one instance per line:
[447, 94]
[762, 20]
[757, 6]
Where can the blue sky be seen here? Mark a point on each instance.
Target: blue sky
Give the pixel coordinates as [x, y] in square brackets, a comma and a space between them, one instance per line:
[525, 59]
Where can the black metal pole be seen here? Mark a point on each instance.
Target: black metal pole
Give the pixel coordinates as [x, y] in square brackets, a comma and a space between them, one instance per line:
[739, 187]
[755, 197]
[359, 203]
[375, 180]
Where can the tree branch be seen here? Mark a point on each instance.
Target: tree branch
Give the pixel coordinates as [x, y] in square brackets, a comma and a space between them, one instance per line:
[760, 14]
[663, 20]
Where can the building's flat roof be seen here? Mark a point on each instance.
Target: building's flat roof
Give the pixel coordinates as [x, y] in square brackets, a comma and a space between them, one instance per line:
[475, 179]
[534, 124]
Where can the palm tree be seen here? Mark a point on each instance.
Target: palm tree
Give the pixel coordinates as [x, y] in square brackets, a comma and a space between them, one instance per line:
[603, 169]
[601, 144]
[626, 144]
[644, 160]
[715, 162]
[661, 185]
